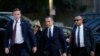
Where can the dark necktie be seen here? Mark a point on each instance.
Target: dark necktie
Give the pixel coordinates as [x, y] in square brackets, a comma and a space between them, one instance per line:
[49, 33]
[78, 37]
[14, 34]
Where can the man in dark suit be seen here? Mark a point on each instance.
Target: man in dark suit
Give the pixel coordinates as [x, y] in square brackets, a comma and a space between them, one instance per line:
[19, 32]
[82, 42]
[53, 38]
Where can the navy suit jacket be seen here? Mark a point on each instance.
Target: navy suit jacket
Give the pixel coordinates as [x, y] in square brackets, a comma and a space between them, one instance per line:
[55, 43]
[27, 34]
[89, 40]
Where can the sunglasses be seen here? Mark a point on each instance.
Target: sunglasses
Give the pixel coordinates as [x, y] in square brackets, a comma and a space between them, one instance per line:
[35, 26]
[76, 20]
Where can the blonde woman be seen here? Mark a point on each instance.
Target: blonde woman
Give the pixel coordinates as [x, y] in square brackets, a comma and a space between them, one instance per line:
[37, 33]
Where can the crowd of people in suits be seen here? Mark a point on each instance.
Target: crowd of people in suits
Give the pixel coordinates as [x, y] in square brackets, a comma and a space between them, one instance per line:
[27, 40]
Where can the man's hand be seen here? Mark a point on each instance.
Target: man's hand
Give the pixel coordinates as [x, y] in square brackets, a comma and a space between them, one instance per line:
[64, 54]
[7, 50]
[92, 53]
[34, 49]
[68, 40]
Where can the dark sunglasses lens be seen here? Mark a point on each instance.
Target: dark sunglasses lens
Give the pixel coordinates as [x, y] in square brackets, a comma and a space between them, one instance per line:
[76, 20]
[35, 26]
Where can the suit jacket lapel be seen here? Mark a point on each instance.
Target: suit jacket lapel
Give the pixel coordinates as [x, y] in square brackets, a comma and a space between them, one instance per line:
[74, 34]
[53, 32]
[46, 32]
[84, 32]
[11, 27]
[74, 31]
[22, 25]
[12, 24]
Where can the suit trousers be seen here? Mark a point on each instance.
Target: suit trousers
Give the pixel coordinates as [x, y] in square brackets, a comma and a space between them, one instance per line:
[19, 50]
[52, 52]
[80, 51]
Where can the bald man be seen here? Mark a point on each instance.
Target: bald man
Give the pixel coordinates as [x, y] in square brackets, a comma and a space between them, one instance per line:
[82, 42]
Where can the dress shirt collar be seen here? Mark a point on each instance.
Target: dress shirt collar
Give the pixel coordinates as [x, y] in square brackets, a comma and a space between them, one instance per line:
[17, 21]
[80, 26]
[51, 27]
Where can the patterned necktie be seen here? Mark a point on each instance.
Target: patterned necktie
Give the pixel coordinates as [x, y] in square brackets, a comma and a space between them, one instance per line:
[14, 34]
[78, 37]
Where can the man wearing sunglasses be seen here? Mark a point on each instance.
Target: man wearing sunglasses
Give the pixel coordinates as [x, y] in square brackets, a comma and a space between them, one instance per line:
[82, 42]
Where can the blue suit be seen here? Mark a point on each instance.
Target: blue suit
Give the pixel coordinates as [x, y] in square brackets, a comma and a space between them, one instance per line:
[27, 34]
[55, 45]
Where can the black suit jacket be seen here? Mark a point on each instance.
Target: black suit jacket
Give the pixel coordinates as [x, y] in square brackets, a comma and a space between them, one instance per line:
[56, 42]
[26, 33]
[88, 40]
[38, 36]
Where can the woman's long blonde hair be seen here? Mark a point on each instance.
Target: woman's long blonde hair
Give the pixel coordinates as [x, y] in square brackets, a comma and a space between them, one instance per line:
[36, 22]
